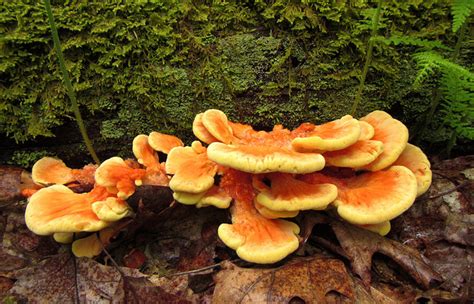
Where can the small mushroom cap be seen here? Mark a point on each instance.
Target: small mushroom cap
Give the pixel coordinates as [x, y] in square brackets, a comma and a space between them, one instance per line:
[58, 209]
[111, 209]
[163, 142]
[88, 247]
[144, 152]
[49, 170]
[334, 135]
[289, 194]
[193, 172]
[201, 132]
[382, 228]
[272, 214]
[375, 197]
[362, 153]
[263, 158]
[366, 131]
[414, 159]
[213, 197]
[216, 123]
[188, 198]
[115, 172]
[63, 237]
[216, 197]
[392, 133]
[258, 239]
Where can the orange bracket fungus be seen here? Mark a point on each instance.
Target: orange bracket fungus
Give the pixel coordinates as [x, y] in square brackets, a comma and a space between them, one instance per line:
[58, 209]
[49, 170]
[364, 170]
[119, 177]
[392, 133]
[255, 238]
[331, 136]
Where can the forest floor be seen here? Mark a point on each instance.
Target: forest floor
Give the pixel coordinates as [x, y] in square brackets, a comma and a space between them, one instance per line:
[171, 254]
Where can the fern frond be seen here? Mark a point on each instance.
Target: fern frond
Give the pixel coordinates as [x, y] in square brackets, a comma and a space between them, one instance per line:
[461, 9]
[407, 40]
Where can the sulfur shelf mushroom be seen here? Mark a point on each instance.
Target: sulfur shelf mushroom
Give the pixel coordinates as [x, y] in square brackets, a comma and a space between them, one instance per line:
[362, 153]
[217, 125]
[163, 142]
[64, 237]
[392, 133]
[193, 171]
[88, 247]
[382, 228]
[111, 209]
[366, 131]
[254, 237]
[144, 153]
[273, 214]
[289, 194]
[118, 175]
[415, 160]
[255, 158]
[372, 197]
[49, 170]
[331, 136]
[215, 196]
[201, 132]
[58, 209]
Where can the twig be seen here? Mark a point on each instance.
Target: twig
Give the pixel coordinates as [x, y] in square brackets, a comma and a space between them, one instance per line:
[195, 270]
[67, 82]
[447, 191]
[368, 57]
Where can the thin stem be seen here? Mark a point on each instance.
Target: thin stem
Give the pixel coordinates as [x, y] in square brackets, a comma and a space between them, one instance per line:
[67, 82]
[368, 58]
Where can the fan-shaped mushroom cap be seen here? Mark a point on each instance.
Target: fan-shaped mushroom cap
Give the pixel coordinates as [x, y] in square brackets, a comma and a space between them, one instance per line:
[217, 124]
[49, 170]
[193, 172]
[366, 131]
[115, 173]
[289, 194]
[362, 153]
[144, 152]
[254, 237]
[64, 237]
[415, 160]
[163, 142]
[262, 159]
[392, 133]
[334, 135]
[259, 240]
[273, 214]
[372, 197]
[200, 130]
[375, 197]
[382, 228]
[213, 197]
[111, 209]
[59, 209]
[88, 247]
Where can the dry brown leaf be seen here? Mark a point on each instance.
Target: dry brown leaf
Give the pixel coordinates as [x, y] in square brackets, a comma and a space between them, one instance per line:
[359, 246]
[311, 280]
[65, 279]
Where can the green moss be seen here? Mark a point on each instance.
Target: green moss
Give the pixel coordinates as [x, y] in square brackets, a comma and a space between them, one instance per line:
[143, 66]
[26, 159]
